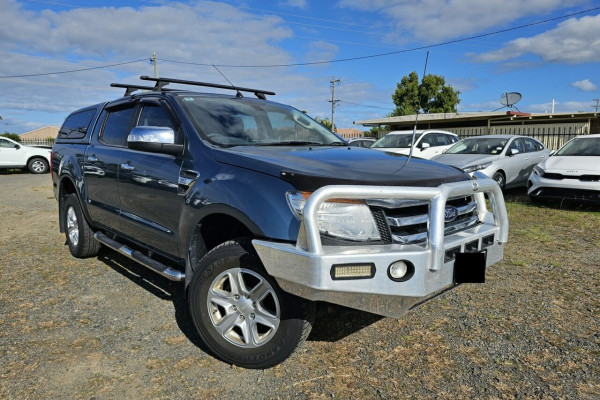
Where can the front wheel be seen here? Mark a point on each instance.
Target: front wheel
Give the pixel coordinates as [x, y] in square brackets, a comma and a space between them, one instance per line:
[500, 179]
[241, 313]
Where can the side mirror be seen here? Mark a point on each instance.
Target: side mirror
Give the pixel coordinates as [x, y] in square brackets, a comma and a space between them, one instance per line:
[513, 152]
[424, 146]
[17, 146]
[154, 139]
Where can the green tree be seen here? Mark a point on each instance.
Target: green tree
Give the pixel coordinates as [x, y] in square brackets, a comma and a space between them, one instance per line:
[325, 122]
[12, 136]
[432, 95]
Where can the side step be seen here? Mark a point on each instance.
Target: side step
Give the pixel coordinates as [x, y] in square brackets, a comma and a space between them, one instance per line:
[167, 272]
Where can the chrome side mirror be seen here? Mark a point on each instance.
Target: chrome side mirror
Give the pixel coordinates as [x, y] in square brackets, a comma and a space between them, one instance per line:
[154, 139]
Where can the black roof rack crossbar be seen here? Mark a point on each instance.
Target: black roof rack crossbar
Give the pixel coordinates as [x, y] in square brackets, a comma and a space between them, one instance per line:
[161, 82]
[132, 88]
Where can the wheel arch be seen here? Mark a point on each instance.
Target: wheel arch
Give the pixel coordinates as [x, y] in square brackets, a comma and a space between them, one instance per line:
[66, 187]
[220, 224]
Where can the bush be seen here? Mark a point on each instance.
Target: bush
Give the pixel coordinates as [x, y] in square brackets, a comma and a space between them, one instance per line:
[12, 136]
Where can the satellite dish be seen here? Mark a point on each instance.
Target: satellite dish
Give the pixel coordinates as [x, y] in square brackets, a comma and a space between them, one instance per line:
[509, 99]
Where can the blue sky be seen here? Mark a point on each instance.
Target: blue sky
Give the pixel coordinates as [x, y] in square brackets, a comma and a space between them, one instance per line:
[249, 41]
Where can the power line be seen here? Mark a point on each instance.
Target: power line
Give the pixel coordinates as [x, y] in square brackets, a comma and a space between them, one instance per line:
[365, 105]
[74, 70]
[398, 51]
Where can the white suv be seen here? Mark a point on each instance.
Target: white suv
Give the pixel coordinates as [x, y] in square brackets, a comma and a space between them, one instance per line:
[16, 155]
[428, 143]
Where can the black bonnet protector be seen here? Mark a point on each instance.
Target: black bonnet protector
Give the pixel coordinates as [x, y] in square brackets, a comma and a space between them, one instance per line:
[309, 169]
[311, 182]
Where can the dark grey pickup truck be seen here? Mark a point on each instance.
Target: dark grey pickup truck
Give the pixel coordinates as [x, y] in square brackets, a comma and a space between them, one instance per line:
[262, 212]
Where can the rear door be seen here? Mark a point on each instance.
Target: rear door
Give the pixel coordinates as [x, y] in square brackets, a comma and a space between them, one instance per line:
[101, 164]
[148, 185]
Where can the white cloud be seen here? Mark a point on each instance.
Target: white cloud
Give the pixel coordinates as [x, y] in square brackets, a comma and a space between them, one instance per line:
[585, 85]
[436, 20]
[573, 41]
[321, 51]
[295, 3]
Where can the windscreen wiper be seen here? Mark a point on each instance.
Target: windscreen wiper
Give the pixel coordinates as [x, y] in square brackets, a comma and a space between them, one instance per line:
[290, 143]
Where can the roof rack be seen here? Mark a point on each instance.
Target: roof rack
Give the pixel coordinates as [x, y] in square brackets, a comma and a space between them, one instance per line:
[162, 82]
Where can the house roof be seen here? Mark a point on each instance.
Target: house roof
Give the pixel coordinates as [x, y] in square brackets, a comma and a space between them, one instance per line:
[42, 133]
[470, 117]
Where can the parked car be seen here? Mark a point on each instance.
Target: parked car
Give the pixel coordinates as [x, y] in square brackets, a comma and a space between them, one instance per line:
[361, 142]
[261, 212]
[16, 155]
[508, 159]
[428, 143]
[572, 173]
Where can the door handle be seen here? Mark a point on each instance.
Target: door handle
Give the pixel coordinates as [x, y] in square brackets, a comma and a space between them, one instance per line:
[127, 166]
[92, 158]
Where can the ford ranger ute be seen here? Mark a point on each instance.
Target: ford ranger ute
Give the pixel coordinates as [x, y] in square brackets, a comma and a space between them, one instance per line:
[262, 212]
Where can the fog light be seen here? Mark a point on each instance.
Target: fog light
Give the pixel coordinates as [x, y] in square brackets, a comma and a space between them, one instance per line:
[401, 270]
[353, 271]
[398, 269]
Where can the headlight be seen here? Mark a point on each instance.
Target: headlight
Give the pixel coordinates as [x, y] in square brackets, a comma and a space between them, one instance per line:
[538, 171]
[473, 168]
[345, 219]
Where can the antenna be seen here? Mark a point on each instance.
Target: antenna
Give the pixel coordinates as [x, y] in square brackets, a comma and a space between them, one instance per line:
[412, 142]
[237, 92]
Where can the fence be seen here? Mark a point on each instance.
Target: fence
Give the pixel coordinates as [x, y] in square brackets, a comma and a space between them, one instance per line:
[38, 142]
[552, 136]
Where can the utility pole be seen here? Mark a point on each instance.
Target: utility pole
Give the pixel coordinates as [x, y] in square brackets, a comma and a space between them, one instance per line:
[333, 101]
[153, 61]
[597, 104]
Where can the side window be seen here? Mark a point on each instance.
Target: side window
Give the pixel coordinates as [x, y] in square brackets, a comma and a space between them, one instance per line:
[517, 144]
[429, 139]
[532, 145]
[6, 143]
[155, 116]
[76, 125]
[443, 139]
[117, 126]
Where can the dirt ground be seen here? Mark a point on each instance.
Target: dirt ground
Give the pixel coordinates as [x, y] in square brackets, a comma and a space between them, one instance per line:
[105, 328]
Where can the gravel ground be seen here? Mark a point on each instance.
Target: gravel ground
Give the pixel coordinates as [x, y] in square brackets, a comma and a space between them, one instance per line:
[105, 328]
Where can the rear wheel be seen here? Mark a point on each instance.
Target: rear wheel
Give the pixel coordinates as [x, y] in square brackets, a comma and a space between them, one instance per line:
[241, 313]
[80, 236]
[38, 166]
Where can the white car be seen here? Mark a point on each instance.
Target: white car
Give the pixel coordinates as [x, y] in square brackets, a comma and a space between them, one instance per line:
[573, 173]
[507, 159]
[428, 143]
[16, 155]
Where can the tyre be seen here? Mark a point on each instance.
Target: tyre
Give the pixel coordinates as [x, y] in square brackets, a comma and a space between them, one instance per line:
[500, 179]
[38, 165]
[80, 236]
[240, 312]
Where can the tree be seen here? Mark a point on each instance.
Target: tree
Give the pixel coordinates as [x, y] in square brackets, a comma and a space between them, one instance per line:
[12, 136]
[325, 122]
[432, 95]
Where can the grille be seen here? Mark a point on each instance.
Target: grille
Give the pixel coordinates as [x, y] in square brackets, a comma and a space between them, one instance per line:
[408, 222]
[584, 178]
[568, 193]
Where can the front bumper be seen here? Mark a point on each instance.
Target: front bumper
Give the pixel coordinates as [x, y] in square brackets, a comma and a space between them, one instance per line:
[305, 269]
[569, 189]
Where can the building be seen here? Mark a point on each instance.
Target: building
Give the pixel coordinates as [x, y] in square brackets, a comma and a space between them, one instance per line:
[552, 129]
[47, 132]
[349, 133]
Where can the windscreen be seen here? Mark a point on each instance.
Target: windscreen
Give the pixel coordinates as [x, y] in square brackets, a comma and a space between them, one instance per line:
[581, 147]
[478, 146]
[402, 141]
[248, 122]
